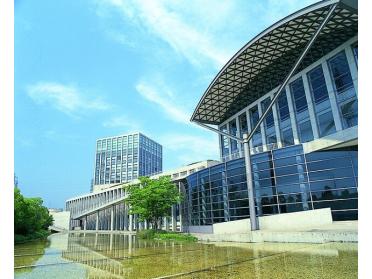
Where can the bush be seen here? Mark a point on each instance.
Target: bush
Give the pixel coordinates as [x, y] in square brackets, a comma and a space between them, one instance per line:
[164, 235]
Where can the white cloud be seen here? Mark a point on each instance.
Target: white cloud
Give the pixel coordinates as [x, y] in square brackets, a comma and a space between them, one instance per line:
[180, 28]
[191, 148]
[66, 98]
[122, 122]
[163, 97]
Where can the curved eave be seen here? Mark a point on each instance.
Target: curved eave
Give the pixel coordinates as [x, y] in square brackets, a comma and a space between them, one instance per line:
[287, 36]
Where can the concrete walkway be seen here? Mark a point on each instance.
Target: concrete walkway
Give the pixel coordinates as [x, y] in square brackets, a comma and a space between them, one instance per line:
[342, 231]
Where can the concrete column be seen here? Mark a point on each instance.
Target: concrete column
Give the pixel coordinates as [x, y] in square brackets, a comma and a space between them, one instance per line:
[180, 208]
[174, 220]
[310, 106]
[125, 217]
[352, 66]
[112, 219]
[130, 222]
[292, 115]
[166, 223]
[332, 97]
[146, 225]
[97, 220]
[276, 125]
[262, 128]
[85, 223]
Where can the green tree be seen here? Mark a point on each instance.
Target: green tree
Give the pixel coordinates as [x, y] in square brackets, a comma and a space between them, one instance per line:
[152, 199]
[30, 215]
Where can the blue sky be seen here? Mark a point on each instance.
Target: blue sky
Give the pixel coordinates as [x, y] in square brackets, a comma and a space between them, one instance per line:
[89, 69]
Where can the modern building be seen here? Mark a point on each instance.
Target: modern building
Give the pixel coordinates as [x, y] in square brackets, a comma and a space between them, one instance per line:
[124, 158]
[304, 154]
[104, 209]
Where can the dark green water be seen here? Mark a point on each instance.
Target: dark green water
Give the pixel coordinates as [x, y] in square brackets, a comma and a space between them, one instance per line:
[70, 256]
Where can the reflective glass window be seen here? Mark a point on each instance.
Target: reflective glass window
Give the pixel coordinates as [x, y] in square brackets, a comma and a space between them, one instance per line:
[233, 131]
[340, 72]
[326, 123]
[254, 117]
[349, 112]
[298, 93]
[305, 131]
[224, 142]
[317, 84]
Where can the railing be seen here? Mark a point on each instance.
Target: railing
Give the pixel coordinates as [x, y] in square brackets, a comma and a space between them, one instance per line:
[254, 150]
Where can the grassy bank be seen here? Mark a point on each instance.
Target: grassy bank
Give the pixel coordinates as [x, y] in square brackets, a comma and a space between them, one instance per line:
[164, 235]
[19, 238]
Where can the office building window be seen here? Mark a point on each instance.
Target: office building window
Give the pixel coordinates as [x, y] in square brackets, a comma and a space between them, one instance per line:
[298, 93]
[269, 122]
[284, 120]
[326, 123]
[354, 47]
[224, 142]
[343, 83]
[305, 131]
[254, 117]
[233, 131]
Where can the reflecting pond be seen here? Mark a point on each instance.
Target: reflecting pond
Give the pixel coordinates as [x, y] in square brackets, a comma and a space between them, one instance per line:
[90, 255]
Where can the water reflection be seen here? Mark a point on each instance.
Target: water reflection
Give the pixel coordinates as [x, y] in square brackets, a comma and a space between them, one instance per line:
[123, 256]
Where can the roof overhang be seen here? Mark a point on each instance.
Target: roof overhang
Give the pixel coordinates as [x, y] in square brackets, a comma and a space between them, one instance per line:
[263, 63]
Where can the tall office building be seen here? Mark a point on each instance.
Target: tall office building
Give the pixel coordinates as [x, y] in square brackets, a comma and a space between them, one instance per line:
[126, 157]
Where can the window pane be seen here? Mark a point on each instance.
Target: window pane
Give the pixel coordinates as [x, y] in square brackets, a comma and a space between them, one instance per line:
[298, 93]
[326, 124]
[317, 84]
[305, 131]
[340, 72]
[349, 112]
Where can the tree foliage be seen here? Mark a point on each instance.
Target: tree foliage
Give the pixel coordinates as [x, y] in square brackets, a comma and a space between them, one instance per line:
[30, 215]
[152, 199]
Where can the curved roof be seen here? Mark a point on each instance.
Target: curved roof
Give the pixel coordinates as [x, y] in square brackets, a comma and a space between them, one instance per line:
[263, 63]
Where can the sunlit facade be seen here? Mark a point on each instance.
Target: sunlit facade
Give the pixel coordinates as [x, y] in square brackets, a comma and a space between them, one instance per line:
[304, 154]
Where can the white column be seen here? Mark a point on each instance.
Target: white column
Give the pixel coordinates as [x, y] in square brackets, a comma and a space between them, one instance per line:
[174, 220]
[262, 128]
[352, 66]
[166, 222]
[85, 223]
[125, 217]
[292, 115]
[97, 220]
[332, 97]
[276, 125]
[310, 106]
[131, 222]
[180, 208]
[112, 219]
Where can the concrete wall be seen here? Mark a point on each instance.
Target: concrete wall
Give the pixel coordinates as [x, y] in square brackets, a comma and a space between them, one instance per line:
[200, 229]
[278, 222]
[61, 219]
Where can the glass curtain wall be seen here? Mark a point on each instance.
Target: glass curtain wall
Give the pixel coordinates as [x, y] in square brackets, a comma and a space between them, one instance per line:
[322, 105]
[254, 117]
[285, 180]
[269, 123]
[284, 120]
[233, 130]
[243, 126]
[344, 88]
[302, 113]
[224, 142]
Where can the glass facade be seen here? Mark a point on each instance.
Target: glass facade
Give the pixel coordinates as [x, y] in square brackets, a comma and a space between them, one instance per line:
[294, 105]
[285, 180]
[254, 117]
[322, 105]
[344, 88]
[284, 120]
[125, 158]
[269, 123]
[301, 109]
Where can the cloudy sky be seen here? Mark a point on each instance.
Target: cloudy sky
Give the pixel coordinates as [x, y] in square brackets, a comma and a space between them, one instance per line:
[86, 69]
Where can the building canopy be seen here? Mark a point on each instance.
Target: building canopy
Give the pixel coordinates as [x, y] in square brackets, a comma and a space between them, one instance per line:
[263, 63]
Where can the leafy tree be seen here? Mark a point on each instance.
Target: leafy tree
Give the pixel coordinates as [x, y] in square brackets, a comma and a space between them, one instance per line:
[152, 199]
[30, 215]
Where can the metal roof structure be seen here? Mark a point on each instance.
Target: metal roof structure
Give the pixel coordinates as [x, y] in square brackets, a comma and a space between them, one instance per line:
[263, 63]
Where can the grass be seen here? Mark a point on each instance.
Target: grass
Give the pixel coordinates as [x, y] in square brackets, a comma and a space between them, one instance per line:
[19, 238]
[164, 235]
